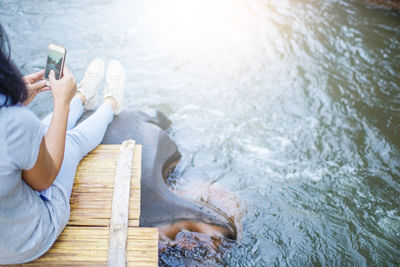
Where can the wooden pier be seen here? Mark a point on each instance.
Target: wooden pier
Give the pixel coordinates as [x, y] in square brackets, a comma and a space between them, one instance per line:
[87, 238]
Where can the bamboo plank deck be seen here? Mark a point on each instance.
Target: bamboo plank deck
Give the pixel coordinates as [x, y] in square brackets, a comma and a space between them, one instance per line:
[88, 246]
[85, 240]
[91, 197]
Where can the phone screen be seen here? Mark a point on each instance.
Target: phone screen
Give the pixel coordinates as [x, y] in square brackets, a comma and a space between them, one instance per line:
[55, 58]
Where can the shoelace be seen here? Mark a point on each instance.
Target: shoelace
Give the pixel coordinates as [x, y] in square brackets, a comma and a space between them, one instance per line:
[113, 85]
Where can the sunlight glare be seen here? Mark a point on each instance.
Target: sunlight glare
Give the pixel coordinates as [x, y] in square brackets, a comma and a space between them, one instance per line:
[203, 27]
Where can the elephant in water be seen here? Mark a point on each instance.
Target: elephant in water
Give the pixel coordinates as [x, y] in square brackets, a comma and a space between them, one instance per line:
[160, 207]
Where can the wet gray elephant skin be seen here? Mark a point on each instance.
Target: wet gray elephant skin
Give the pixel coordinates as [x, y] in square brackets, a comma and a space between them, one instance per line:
[159, 205]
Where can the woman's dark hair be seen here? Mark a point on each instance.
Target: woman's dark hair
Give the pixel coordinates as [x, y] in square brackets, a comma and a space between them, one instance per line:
[11, 83]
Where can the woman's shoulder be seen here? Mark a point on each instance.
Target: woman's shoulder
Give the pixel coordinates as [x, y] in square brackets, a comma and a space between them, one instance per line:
[17, 119]
[17, 112]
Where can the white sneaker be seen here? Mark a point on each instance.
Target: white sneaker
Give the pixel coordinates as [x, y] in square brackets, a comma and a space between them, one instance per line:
[115, 83]
[91, 81]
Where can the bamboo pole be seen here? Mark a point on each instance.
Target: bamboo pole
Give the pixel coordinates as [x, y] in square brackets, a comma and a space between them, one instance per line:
[120, 207]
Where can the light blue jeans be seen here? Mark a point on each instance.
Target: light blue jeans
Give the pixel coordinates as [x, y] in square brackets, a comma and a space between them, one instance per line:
[80, 140]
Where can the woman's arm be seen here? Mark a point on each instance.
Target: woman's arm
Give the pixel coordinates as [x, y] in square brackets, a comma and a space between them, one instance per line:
[51, 152]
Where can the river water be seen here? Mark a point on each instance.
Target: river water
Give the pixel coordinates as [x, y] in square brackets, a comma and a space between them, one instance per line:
[292, 106]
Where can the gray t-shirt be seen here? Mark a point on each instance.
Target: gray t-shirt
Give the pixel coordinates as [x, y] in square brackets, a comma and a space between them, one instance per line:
[28, 223]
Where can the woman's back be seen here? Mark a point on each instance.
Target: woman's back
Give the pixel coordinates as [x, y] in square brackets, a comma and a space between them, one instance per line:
[25, 222]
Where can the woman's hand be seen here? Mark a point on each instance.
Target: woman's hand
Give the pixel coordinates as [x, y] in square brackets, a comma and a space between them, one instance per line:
[34, 84]
[64, 89]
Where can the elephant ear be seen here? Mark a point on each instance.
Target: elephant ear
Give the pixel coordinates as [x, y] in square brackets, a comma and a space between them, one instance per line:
[155, 117]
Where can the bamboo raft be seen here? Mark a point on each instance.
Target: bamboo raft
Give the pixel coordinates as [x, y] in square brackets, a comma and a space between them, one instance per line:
[95, 235]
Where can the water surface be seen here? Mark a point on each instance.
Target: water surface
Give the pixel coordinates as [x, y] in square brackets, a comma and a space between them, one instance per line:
[291, 105]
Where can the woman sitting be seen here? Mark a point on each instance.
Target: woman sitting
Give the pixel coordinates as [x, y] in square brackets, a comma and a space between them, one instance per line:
[38, 159]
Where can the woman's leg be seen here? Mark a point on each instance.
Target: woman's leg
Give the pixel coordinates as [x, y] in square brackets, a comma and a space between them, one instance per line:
[80, 141]
[88, 134]
[75, 112]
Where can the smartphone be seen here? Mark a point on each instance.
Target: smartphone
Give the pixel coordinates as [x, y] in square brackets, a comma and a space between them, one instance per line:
[55, 61]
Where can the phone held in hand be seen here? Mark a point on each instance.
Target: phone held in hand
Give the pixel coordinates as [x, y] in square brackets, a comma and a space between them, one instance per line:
[55, 61]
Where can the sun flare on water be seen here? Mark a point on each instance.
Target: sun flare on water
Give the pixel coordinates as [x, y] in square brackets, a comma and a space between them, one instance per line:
[203, 28]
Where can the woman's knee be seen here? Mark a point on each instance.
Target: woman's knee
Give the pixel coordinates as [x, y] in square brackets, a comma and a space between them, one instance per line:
[75, 145]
